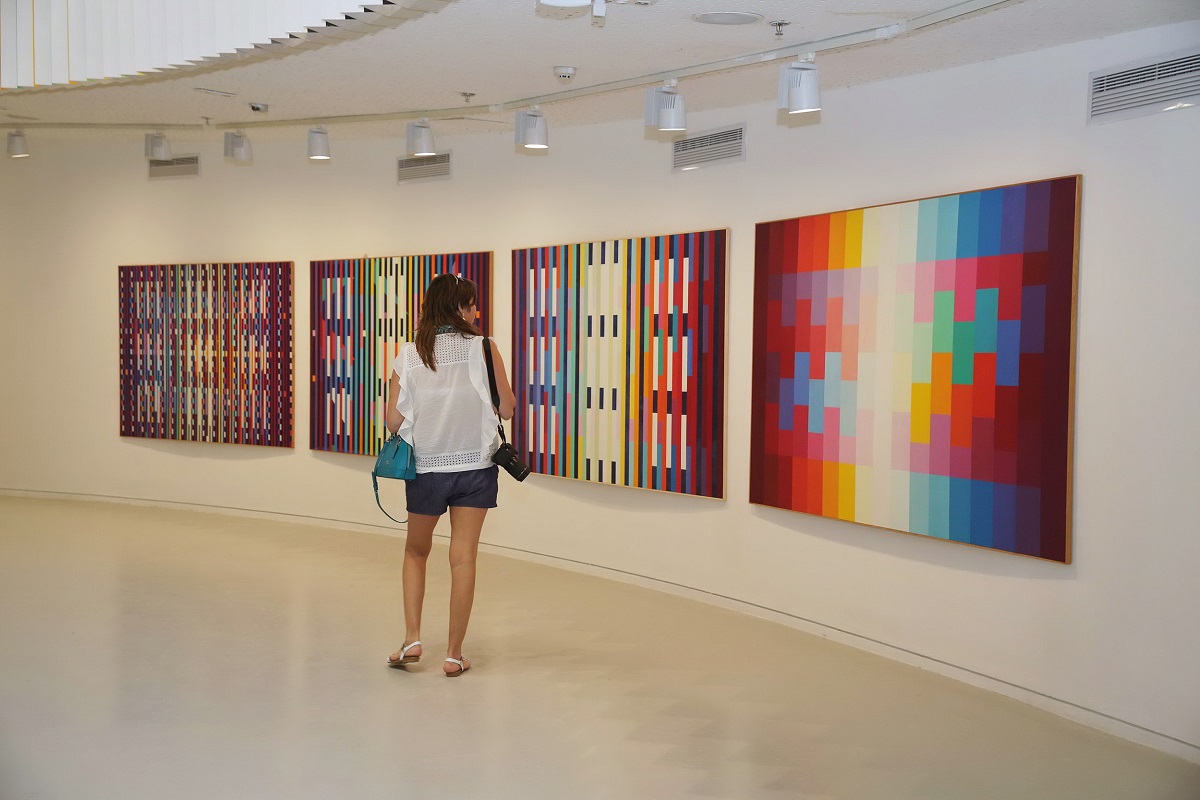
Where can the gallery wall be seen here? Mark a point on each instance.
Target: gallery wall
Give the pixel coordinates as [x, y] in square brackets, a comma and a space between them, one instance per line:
[1110, 639]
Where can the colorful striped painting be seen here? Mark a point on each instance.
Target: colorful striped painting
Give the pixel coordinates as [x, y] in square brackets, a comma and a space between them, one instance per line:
[913, 366]
[363, 311]
[619, 361]
[206, 352]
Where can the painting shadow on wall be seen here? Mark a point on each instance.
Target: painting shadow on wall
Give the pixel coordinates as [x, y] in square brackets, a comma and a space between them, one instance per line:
[209, 451]
[915, 547]
[624, 498]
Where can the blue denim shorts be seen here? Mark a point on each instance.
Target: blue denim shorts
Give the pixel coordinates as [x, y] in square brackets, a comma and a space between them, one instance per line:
[430, 493]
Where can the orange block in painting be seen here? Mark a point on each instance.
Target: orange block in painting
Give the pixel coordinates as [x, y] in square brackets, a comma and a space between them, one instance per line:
[941, 397]
[837, 241]
[961, 415]
[829, 500]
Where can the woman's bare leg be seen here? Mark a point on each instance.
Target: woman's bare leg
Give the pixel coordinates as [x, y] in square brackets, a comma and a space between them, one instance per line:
[416, 557]
[465, 525]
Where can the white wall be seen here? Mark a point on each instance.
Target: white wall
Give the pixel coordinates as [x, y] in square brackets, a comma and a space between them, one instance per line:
[1114, 633]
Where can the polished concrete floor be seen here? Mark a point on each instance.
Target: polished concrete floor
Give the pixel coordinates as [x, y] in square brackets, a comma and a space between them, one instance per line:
[149, 653]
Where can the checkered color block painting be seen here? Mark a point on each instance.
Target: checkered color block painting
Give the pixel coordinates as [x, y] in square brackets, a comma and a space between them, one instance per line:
[619, 361]
[363, 311]
[206, 352]
[913, 366]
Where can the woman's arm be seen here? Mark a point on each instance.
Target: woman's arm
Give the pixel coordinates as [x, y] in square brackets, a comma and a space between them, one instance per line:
[508, 400]
[394, 418]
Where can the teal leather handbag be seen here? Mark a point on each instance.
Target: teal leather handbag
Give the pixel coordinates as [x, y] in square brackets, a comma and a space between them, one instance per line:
[396, 460]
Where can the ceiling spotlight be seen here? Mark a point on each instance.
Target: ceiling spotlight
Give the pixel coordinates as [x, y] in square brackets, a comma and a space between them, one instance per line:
[237, 146]
[16, 145]
[799, 88]
[420, 138]
[318, 143]
[531, 129]
[665, 108]
[157, 147]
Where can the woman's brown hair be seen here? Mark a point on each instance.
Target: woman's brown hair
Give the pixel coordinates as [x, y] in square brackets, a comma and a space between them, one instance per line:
[444, 300]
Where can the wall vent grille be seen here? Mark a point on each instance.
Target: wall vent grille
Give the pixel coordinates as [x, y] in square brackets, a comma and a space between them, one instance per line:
[710, 147]
[423, 168]
[175, 167]
[1136, 90]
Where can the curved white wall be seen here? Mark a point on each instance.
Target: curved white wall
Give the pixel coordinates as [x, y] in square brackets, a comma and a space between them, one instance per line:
[1114, 633]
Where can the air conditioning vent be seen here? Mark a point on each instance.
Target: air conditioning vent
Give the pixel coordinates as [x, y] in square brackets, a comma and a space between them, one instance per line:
[711, 147]
[175, 167]
[423, 168]
[1136, 90]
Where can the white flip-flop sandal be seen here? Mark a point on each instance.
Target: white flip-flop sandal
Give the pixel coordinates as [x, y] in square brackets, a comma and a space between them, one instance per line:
[461, 666]
[405, 658]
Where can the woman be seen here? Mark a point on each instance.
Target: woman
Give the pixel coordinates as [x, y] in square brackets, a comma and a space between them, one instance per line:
[440, 401]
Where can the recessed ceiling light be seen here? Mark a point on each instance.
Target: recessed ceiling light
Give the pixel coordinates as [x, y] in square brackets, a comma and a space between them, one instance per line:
[727, 17]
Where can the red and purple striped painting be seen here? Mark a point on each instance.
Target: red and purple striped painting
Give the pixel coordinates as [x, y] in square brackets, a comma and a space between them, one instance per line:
[619, 361]
[206, 352]
[913, 366]
[363, 311]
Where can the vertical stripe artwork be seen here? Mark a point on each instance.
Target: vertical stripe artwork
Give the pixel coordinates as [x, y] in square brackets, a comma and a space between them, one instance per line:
[206, 352]
[363, 311]
[619, 361]
[913, 366]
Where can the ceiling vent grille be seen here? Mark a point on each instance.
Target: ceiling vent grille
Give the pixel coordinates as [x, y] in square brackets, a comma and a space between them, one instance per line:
[711, 147]
[175, 167]
[1145, 88]
[423, 168]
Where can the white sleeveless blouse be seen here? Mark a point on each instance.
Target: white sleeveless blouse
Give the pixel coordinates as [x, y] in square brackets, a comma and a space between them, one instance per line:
[448, 414]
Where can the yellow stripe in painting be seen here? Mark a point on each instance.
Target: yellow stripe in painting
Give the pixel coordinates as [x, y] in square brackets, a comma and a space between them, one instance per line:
[854, 240]
[845, 495]
[921, 398]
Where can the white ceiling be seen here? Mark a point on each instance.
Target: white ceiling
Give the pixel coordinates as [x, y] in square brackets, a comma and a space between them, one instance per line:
[504, 52]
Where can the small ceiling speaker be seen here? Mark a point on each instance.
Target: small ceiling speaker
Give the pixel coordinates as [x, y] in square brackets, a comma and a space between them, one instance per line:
[158, 148]
[419, 137]
[531, 130]
[318, 143]
[16, 145]
[237, 146]
[799, 88]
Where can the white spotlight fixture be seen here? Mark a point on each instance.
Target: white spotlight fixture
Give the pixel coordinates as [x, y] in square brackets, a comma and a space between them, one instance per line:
[16, 145]
[237, 146]
[531, 131]
[318, 143]
[420, 138]
[664, 107]
[799, 87]
[158, 148]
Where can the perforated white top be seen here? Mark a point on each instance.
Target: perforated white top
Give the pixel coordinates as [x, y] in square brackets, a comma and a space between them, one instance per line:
[448, 414]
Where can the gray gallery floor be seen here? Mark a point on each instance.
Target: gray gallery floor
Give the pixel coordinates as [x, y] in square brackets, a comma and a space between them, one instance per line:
[172, 655]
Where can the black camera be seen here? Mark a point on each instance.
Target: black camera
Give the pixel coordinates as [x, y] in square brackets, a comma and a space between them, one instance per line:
[506, 456]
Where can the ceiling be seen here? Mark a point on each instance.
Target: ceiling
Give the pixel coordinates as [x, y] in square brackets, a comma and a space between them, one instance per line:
[505, 51]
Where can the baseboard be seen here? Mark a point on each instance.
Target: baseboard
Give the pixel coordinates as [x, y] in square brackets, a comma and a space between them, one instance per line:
[1062, 708]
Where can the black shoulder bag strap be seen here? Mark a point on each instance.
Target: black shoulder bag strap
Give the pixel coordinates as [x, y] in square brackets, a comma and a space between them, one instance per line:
[491, 368]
